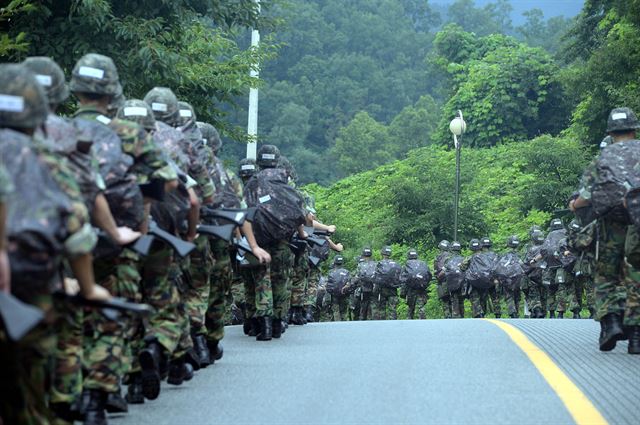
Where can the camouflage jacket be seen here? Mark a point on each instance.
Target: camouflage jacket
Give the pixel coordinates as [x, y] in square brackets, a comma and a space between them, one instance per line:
[149, 161]
[6, 185]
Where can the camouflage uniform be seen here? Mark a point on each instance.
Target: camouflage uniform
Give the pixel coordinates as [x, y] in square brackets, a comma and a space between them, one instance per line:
[299, 279]
[419, 298]
[443, 292]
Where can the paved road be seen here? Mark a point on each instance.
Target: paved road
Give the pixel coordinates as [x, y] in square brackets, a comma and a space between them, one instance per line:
[436, 372]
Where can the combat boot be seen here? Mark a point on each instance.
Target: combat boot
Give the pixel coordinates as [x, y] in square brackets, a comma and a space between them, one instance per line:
[576, 314]
[65, 412]
[634, 340]
[115, 403]
[297, 317]
[215, 348]
[561, 315]
[95, 409]
[255, 327]
[610, 331]
[246, 326]
[192, 358]
[309, 314]
[265, 331]
[537, 313]
[514, 315]
[150, 358]
[592, 313]
[552, 314]
[134, 390]
[202, 351]
[177, 372]
[277, 328]
[188, 372]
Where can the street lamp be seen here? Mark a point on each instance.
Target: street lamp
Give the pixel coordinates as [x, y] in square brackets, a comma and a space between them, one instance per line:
[457, 128]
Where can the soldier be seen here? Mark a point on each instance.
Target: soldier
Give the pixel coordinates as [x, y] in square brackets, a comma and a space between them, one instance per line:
[494, 290]
[554, 276]
[438, 268]
[454, 280]
[509, 273]
[534, 266]
[387, 280]
[415, 277]
[46, 202]
[617, 287]
[478, 291]
[582, 240]
[364, 280]
[6, 187]
[336, 299]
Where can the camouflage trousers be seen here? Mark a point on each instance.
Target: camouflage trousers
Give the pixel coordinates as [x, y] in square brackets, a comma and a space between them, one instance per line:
[536, 294]
[416, 298]
[457, 304]
[512, 297]
[385, 306]
[197, 271]
[160, 292]
[312, 287]
[445, 299]
[495, 295]
[25, 369]
[107, 344]
[66, 386]
[235, 310]
[366, 305]
[299, 279]
[338, 307]
[219, 286]
[479, 298]
[617, 282]
[582, 288]
[354, 305]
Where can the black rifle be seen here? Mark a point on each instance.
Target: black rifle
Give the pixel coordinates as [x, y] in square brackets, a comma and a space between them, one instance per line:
[314, 261]
[224, 232]
[311, 231]
[153, 190]
[115, 303]
[226, 215]
[18, 317]
[143, 245]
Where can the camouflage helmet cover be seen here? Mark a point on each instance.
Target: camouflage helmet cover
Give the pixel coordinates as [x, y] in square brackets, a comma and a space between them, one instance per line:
[455, 246]
[475, 245]
[486, 242]
[513, 241]
[386, 250]
[444, 245]
[338, 260]
[164, 104]
[556, 224]
[366, 252]
[268, 156]
[50, 76]
[622, 119]
[23, 102]
[412, 254]
[247, 167]
[537, 236]
[211, 135]
[286, 165]
[97, 74]
[186, 113]
[138, 111]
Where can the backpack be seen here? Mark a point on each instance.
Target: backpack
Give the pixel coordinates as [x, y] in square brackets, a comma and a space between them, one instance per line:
[225, 195]
[509, 270]
[615, 173]
[440, 261]
[366, 275]
[336, 281]
[480, 271]
[417, 274]
[453, 275]
[279, 207]
[321, 252]
[388, 274]
[37, 212]
[554, 243]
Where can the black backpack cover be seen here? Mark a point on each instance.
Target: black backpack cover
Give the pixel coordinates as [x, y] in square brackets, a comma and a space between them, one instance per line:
[453, 275]
[337, 280]
[416, 274]
[481, 268]
[509, 270]
[366, 275]
[225, 196]
[388, 274]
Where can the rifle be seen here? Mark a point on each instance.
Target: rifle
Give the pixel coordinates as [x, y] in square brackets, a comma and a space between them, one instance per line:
[118, 304]
[224, 232]
[227, 215]
[18, 317]
[154, 189]
[143, 245]
[311, 231]
[314, 261]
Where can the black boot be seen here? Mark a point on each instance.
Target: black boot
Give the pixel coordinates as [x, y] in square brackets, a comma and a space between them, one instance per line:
[215, 348]
[150, 359]
[115, 403]
[246, 326]
[536, 313]
[561, 315]
[67, 412]
[610, 331]
[297, 317]
[177, 372]
[309, 314]
[134, 390]
[95, 411]
[514, 315]
[265, 331]
[552, 314]
[188, 372]
[592, 313]
[277, 328]
[255, 327]
[634, 340]
[192, 358]
[576, 314]
[202, 351]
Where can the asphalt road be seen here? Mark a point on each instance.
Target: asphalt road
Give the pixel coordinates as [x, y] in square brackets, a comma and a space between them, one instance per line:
[434, 372]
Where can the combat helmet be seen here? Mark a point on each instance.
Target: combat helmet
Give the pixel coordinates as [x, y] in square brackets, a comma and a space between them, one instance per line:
[412, 254]
[537, 236]
[455, 246]
[50, 76]
[386, 251]
[606, 142]
[366, 252]
[621, 120]
[186, 113]
[338, 261]
[138, 111]
[486, 242]
[574, 225]
[475, 245]
[246, 168]
[164, 104]
[286, 165]
[444, 245]
[268, 156]
[513, 241]
[96, 74]
[211, 135]
[556, 224]
[23, 102]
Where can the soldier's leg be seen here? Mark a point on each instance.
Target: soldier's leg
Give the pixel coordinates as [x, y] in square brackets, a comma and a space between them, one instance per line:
[281, 266]
[311, 293]
[219, 286]
[411, 304]
[632, 285]
[365, 306]
[344, 308]
[509, 297]
[298, 284]
[610, 294]
[476, 303]
[393, 305]
[198, 276]
[422, 302]
[260, 280]
[496, 298]
[455, 305]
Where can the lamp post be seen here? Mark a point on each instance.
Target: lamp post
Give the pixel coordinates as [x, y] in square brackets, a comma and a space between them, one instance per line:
[252, 124]
[457, 128]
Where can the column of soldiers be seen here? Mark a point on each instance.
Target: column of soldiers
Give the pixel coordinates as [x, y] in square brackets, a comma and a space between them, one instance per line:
[122, 238]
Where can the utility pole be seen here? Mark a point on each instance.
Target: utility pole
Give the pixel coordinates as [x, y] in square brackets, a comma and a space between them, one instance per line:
[457, 127]
[252, 124]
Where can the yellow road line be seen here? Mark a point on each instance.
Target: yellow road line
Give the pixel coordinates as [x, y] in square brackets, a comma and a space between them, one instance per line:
[576, 402]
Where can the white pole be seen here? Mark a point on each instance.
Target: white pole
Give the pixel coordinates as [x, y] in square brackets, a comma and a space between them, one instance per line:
[252, 125]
